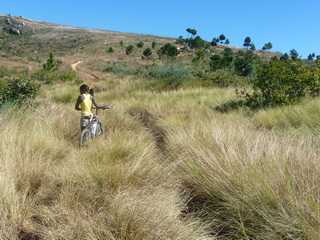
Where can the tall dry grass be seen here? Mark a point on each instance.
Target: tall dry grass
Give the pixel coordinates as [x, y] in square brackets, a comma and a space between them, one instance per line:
[249, 183]
[218, 176]
[117, 188]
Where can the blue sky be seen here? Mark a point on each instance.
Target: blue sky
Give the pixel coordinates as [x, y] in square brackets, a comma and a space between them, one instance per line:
[287, 24]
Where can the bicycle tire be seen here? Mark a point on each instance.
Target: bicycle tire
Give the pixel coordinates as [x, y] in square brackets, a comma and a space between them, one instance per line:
[85, 137]
[99, 130]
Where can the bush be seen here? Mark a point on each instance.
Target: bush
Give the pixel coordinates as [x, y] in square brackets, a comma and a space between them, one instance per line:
[153, 45]
[54, 76]
[147, 52]
[168, 50]
[215, 62]
[140, 44]
[129, 49]
[244, 63]
[197, 42]
[110, 50]
[51, 64]
[225, 78]
[169, 76]
[283, 82]
[18, 90]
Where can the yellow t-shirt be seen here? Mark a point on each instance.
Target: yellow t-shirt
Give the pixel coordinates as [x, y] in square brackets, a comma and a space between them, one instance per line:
[86, 105]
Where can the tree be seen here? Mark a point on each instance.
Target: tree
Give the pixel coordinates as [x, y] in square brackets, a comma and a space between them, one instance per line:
[140, 44]
[153, 45]
[243, 63]
[147, 52]
[252, 47]
[199, 55]
[197, 42]
[285, 57]
[311, 56]
[129, 49]
[51, 63]
[192, 31]
[222, 38]
[294, 54]
[267, 46]
[280, 82]
[214, 42]
[247, 42]
[227, 57]
[168, 50]
[215, 62]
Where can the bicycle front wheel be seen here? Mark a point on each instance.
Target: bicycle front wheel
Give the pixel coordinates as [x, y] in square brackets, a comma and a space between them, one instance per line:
[85, 137]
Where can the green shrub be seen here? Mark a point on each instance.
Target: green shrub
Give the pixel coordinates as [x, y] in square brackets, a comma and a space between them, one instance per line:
[168, 50]
[54, 76]
[197, 42]
[215, 62]
[218, 62]
[153, 45]
[129, 49]
[147, 52]
[244, 63]
[51, 64]
[18, 90]
[225, 78]
[284, 82]
[168, 76]
[140, 44]
[110, 50]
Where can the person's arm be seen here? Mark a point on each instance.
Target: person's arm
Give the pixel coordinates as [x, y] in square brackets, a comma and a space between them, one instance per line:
[78, 102]
[100, 106]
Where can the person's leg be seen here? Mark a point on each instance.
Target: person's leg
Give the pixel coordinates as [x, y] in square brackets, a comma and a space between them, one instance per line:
[83, 123]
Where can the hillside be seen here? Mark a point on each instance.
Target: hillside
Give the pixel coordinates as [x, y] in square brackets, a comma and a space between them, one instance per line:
[187, 153]
[70, 44]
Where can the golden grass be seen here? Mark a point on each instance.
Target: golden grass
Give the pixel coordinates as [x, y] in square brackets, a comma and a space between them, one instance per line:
[217, 175]
[305, 115]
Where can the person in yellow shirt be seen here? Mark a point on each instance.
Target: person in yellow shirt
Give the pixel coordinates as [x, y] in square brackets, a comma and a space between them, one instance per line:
[85, 104]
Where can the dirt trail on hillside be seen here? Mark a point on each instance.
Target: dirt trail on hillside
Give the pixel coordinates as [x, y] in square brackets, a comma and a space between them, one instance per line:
[85, 75]
[75, 65]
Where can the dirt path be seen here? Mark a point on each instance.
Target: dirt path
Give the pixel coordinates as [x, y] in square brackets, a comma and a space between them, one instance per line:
[75, 65]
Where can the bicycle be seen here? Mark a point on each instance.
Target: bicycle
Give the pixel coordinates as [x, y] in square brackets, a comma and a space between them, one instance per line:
[93, 129]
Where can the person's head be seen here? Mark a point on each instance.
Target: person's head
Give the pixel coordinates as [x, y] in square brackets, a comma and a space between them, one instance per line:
[84, 88]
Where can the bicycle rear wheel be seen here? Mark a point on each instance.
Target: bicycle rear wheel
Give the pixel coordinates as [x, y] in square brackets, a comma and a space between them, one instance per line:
[85, 137]
[99, 130]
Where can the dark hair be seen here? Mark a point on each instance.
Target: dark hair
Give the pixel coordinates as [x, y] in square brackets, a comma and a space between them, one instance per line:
[84, 88]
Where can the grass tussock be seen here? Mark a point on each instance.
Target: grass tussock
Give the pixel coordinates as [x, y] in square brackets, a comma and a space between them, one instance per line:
[51, 189]
[168, 167]
[250, 184]
[304, 115]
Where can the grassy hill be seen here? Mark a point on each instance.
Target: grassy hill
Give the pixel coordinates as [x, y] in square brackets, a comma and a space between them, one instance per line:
[170, 166]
